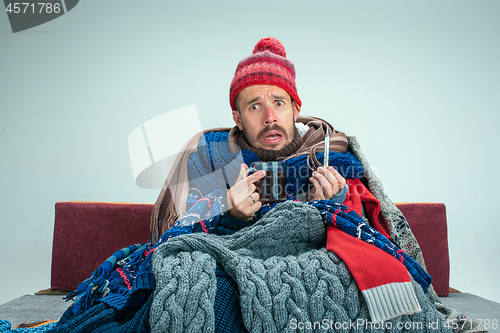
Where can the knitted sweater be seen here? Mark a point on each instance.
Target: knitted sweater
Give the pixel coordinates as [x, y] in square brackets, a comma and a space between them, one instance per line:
[285, 276]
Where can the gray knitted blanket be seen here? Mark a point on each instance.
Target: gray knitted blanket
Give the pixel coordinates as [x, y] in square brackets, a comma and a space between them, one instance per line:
[287, 280]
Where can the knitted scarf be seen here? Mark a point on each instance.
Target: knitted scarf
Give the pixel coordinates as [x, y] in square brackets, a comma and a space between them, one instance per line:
[99, 281]
[283, 272]
[171, 203]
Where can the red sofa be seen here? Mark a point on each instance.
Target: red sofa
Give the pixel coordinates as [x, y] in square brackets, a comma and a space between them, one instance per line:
[87, 233]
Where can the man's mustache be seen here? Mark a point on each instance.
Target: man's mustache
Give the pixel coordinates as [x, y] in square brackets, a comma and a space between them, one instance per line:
[271, 128]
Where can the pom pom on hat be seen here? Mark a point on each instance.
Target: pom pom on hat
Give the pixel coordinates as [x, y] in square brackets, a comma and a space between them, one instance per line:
[267, 65]
[270, 44]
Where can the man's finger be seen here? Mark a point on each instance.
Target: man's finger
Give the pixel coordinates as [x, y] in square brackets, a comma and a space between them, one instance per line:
[243, 170]
[316, 190]
[246, 185]
[330, 177]
[255, 177]
[247, 207]
[254, 198]
[241, 192]
[327, 185]
[341, 180]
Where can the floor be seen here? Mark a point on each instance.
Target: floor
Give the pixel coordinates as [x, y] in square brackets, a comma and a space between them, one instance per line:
[31, 308]
[484, 311]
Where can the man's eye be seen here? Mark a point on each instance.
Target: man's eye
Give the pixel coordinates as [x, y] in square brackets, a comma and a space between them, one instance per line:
[279, 103]
[254, 107]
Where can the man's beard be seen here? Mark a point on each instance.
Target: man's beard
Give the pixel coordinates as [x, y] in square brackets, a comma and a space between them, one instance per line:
[287, 136]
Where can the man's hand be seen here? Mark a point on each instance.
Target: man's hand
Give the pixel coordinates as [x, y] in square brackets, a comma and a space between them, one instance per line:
[327, 183]
[242, 196]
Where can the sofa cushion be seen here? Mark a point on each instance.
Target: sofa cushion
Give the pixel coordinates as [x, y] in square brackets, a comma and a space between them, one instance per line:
[87, 233]
[428, 224]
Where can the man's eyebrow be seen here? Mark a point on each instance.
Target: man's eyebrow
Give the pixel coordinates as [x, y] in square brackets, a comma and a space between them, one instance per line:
[256, 99]
[252, 101]
[281, 97]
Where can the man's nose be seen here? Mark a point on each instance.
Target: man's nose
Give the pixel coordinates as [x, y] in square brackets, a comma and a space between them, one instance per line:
[269, 116]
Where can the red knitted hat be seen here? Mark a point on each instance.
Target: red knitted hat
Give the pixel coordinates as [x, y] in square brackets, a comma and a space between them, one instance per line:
[267, 65]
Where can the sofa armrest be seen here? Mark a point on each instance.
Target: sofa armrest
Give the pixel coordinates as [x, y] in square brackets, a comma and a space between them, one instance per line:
[87, 233]
[428, 223]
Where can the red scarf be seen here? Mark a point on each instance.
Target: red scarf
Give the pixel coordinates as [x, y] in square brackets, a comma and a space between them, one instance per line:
[383, 280]
[358, 197]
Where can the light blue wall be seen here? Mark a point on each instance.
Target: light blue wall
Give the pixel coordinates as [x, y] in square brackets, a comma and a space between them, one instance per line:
[416, 82]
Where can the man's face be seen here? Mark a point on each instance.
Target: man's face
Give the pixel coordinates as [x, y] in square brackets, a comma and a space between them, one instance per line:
[266, 116]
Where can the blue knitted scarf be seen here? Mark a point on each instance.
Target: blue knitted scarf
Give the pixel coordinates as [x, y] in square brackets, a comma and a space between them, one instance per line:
[213, 155]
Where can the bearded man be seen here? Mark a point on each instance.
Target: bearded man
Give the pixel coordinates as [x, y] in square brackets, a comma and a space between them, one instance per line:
[272, 244]
[265, 108]
[337, 254]
[265, 111]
